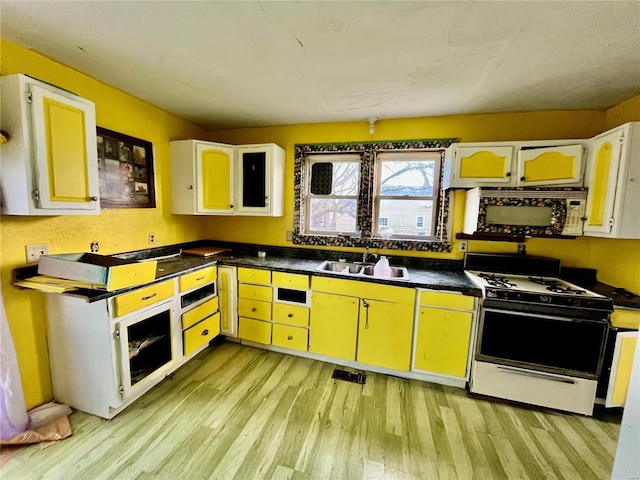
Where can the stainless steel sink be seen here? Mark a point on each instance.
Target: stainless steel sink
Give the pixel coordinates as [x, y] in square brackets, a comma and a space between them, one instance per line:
[351, 269]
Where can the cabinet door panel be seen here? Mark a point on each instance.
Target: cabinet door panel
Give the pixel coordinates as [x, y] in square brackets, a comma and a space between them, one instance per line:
[603, 175]
[384, 336]
[333, 325]
[199, 313]
[197, 278]
[626, 344]
[254, 330]
[550, 166]
[214, 176]
[442, 341]
[290, 337]
[290, 314]
[482, 165]
[201, 333]
[254, 179]
[254, 309]
[65, 151]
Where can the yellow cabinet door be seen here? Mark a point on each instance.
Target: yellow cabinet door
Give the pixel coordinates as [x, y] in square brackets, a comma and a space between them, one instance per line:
[620, 377]
[201, 333]
[384, 334]
[255, 292]
[550, 166]
[291, 314]
[254, 309]
[254, 275]
[333, 325]
[65, 153]
[214, 175]
[295, 338]
[254, 330]
[199, 313]
[442, 341]
[482, 164]
[294, 281]
[604, 158]
[197, 278]
[455, 301]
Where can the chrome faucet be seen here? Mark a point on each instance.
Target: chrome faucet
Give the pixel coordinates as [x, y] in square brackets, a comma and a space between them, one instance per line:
[365, 255]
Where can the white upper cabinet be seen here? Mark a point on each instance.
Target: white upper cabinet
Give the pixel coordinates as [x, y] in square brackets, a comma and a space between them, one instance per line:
[515, 164]
[202, 178]
[260, 179]
[50, 163]
[613, 183]
[218, 179]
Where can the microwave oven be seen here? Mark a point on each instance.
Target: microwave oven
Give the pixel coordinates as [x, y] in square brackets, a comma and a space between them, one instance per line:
[528, 211]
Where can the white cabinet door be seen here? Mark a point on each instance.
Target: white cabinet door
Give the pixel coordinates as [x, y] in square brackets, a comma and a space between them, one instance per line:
[260, 173]
[50, 167]
[478, 165]
[620, 377]
[562, 165]
[613, 183]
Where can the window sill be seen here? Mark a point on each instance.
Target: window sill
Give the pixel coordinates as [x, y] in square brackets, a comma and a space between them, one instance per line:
[391, 244]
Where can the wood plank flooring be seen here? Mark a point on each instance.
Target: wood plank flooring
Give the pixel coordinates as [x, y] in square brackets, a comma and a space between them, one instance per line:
[245, 413]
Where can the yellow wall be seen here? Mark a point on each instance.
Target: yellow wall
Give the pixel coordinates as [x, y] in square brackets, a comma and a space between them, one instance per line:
[117, 230]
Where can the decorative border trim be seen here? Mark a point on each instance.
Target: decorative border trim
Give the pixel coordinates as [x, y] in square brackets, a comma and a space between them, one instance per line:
[368, 152]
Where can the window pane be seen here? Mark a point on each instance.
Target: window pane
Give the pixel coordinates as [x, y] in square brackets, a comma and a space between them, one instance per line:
[402, 178]
[346, 178]
[402, 216]
[332, 215]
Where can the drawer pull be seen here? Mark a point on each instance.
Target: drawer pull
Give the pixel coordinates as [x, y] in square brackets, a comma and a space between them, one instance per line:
[205, 332]
[200, 278]
[254, 309]
[290, 315]
[540, 375]
[289, 337]
[148, 297]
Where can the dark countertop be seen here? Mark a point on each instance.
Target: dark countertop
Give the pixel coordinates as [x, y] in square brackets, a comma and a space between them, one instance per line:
[586, 278]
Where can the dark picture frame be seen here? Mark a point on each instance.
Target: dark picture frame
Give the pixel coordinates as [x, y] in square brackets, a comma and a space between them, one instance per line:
[125, 171]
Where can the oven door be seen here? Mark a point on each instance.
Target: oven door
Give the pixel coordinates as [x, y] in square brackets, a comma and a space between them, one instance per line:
[544, 343]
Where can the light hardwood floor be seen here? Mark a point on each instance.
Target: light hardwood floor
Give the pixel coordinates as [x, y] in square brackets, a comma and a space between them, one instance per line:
[245, 413]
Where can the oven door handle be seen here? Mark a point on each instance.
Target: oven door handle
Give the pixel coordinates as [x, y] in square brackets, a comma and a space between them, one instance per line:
[541, 315]
[542, 376]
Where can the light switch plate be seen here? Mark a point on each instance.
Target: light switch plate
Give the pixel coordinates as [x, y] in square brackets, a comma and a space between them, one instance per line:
[33, 252]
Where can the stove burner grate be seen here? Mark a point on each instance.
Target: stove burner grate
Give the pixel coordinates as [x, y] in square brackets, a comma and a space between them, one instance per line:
[553, 285]
[497, 280]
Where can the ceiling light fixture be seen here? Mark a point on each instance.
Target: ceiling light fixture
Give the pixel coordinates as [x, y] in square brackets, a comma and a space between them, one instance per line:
[372, 121]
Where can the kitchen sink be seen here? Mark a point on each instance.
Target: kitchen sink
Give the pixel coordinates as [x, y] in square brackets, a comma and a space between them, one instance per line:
[352, 269]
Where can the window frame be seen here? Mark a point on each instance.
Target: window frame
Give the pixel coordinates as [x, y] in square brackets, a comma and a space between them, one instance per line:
[363, 235]
[430, 156]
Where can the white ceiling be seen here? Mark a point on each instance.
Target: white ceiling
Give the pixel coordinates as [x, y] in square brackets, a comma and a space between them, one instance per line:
[245, 63]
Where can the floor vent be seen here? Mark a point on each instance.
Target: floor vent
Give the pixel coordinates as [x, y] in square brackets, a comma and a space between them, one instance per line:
[360, 378]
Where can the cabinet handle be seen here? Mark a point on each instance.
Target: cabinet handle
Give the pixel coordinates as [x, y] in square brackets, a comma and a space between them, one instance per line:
[230, 206]
[290, 315]
[584, 219]
[253, 309]
[522, 179]
[289, 337]
[200, 278]
[190, 187]
[93, 199]
[508, 174]
[149, 297]
[205, 332]
[366, 307]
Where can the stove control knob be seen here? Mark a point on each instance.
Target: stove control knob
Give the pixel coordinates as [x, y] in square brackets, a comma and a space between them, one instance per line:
[491, 294]
[574, 302]
[545, 298]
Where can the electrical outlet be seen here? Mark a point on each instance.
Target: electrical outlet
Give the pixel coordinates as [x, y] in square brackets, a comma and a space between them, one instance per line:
[95, 247]
[35, 251]
[289, 236]
[462, 245]
[152, 238]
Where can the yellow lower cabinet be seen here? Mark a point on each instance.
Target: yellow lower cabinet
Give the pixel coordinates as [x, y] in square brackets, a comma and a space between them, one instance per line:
[442, 341]
[201, 333]
[333, 325]
[254, 309]
[290, 337]
[384, 337]
[254, 330]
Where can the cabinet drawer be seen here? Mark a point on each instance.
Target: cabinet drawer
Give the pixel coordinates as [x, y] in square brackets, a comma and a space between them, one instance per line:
[201, 311]
[356, 288]
[254, 309]
[201, 333]
[290, 314]
[254, 330]
[290, 280]
[142, 297]
[197, 278]
[253, 275]
[290, 337]
[254, 292]
[447, 300]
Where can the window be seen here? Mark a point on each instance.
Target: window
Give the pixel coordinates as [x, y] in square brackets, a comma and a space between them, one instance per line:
[380, 194]
[407, 186]
[331, 203]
